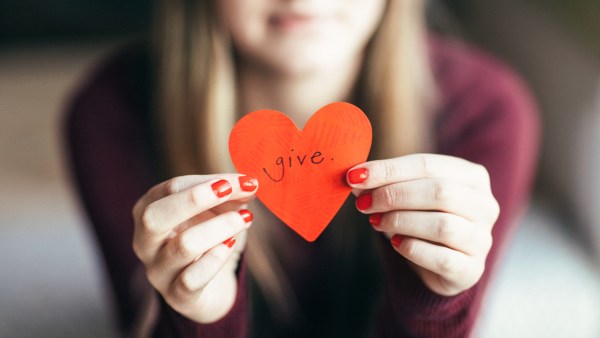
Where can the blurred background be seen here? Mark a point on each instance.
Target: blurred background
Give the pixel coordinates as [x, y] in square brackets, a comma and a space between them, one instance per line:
[51, 278]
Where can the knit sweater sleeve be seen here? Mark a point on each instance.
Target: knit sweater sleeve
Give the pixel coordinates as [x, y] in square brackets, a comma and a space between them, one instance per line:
[111, 160]
[486, 117]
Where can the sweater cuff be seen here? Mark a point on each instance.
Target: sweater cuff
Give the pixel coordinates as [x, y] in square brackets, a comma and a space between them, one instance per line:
[234, 324]
[411, 309]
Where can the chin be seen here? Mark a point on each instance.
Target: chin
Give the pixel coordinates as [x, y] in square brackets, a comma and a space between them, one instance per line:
[307, 64]
[300, 69]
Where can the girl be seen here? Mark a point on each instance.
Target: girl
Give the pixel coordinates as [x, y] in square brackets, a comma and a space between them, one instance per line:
[454, 150]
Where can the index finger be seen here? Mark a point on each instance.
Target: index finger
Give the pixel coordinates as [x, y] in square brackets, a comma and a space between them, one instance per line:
[181, 183]
[374, 174]
[166, 188]
[156, 220]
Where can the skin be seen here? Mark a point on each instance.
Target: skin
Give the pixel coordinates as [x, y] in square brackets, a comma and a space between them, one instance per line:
[441, 206]
[442, 209]
[297, 56]
[180, 227]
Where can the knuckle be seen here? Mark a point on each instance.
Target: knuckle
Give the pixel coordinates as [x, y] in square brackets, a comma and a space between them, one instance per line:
[189, 282]
[495, 210]
[445, 231]
[487, 242]
[441, 193]
[446, 265]
[407, 223]
[183, 245]
[150, 223]
[492, 211]
[482, 172]
[389, 171]
[195, 197]
[212, 261]
[425, 165]
[399, 220]
[174, 185]
[391, 197]
[410, 248]
[474, 271]
[234, 221]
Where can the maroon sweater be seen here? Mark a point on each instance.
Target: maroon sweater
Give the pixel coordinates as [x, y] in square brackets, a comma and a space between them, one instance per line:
[485, 116]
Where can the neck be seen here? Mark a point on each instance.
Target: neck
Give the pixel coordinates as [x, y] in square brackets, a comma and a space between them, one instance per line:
[298, 96]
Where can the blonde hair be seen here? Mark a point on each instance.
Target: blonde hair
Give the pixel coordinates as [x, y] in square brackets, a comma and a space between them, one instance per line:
[195, 87]
[196, 97]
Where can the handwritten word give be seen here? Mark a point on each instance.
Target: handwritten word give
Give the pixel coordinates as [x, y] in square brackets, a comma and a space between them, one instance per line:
[278, 173]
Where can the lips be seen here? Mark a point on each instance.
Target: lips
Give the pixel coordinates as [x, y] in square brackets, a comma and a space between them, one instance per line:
[293, 21]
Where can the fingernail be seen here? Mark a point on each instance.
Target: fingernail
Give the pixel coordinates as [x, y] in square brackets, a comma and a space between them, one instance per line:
[248, 183]
[375, 219]
[221, 188]
[358, 175]
[396, 240]
[246, 215]
[229, 242]
[364, 201]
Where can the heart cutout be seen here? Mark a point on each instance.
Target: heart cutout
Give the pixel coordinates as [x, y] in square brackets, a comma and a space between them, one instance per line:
[302, 173]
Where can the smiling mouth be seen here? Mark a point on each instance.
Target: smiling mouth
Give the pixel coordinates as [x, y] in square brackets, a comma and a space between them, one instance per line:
[291, 22]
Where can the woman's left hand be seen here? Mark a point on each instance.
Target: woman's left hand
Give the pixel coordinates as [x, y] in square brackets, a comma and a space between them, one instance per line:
[438, 211]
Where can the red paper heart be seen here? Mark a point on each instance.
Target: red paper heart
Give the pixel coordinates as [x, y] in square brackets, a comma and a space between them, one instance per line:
[301, 173]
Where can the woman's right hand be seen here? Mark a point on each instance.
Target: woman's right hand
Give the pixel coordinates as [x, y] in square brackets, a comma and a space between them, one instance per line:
[189, 233]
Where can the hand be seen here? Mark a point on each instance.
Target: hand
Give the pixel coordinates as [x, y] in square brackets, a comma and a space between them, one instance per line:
[189, 232]
[438, 211]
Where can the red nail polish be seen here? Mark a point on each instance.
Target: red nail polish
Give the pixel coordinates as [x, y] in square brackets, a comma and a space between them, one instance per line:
[396, 240]
[364, 201]
[246, 215]
[229, 242]
[375, 219]
[221, 188]
[248, 183]
[358, 175]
